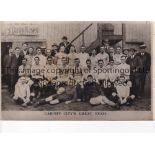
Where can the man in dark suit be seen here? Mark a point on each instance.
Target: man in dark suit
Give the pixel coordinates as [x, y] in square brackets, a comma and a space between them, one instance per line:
[144, 63]
[66, 44]
[8, 61]
[133, 62]
[24, 50]
[17, 62]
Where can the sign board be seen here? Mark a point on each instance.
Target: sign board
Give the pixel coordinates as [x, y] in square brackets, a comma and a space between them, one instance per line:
[21, 29]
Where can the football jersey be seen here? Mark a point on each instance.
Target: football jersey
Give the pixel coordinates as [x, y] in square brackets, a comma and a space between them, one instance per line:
[104, 57]
[123, 88]
[83, 57]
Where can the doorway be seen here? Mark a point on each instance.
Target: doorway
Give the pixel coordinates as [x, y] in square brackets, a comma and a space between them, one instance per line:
[4, 51]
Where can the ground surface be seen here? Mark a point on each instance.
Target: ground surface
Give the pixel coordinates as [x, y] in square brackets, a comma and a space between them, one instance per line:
[8, 104]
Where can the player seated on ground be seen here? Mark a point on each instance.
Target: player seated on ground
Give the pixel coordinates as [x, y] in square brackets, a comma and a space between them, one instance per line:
[22, 92]
[111, 93]
[66, 93]
[93, 93]
[123, 91]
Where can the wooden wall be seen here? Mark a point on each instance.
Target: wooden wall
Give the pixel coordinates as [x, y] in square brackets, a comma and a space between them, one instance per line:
[139, 32]
[52, 32]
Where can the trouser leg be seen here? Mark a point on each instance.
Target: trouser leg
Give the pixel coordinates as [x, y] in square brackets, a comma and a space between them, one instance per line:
[138, 86]
[143, 78]
[12, 83]
[133, 88]
[19, 101]
[8, 81]
[80, 92]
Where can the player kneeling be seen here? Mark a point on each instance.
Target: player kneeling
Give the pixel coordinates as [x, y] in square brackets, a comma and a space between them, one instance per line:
[93, 93]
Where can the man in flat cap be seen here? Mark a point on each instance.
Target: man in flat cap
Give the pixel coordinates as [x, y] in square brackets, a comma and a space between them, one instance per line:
[144, 63]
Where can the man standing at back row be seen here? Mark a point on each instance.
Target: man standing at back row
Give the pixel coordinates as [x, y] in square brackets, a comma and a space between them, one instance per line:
[8, 70]
[24, 50]
[144, 63]
[83, 56]
[102, 56]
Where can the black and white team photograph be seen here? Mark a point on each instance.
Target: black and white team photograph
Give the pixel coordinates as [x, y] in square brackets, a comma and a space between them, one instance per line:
[76, 66]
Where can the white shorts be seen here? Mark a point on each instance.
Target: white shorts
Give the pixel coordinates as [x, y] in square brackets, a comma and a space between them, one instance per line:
[101, 100]
[96, 100]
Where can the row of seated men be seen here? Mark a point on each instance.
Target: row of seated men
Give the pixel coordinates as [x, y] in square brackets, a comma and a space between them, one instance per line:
[63, 83]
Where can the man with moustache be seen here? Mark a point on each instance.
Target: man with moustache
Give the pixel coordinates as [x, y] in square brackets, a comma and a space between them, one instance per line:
[144, 63]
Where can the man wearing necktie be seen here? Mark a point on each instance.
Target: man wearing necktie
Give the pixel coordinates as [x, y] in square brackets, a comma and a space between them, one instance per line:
[7, 68]
[24, 50]
[133, 62]
[144, 63]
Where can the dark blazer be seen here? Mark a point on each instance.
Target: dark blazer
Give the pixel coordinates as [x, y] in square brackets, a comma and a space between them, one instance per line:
[18, 61]
[67, 46]
[7, 61]
[53, 52]
[12, 63]
[144, 61]
[22, 53]
[133, 62]
[91, 90]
